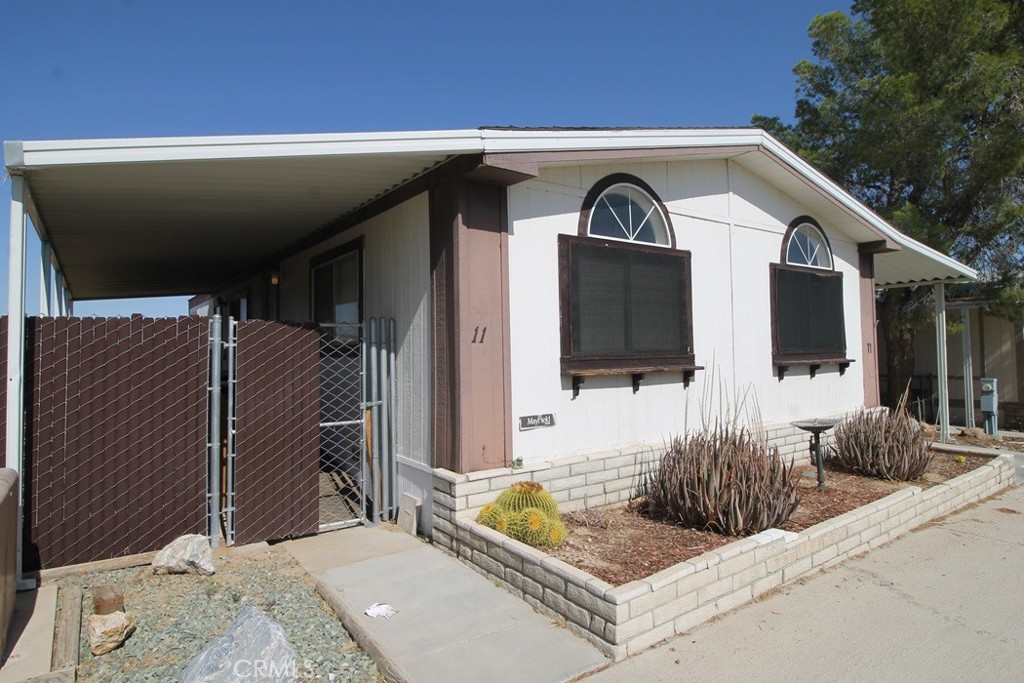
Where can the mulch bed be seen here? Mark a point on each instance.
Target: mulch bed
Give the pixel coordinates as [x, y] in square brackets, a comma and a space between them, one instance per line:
[619, 544]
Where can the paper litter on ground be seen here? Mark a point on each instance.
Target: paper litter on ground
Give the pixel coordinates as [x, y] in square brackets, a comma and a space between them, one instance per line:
[380, 610]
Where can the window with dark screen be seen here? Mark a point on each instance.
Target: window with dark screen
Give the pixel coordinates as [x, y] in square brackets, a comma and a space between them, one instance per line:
[625, 292]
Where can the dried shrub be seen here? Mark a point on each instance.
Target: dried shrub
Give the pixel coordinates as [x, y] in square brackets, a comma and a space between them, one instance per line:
[887, 444]
[723, 481]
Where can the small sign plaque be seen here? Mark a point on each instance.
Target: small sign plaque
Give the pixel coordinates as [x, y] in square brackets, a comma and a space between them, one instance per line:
[536, 421]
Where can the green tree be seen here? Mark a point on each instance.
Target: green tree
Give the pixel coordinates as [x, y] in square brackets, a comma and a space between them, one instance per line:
[917, 108]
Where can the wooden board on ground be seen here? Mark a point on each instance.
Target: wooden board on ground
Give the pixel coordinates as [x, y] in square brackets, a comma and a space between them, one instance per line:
[69, 628]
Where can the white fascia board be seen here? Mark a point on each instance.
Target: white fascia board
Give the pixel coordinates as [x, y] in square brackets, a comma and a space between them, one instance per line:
[859, 209]
[44, 153]
[497, 141]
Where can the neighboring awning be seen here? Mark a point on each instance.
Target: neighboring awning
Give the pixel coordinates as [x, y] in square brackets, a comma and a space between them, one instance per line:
[175, 216]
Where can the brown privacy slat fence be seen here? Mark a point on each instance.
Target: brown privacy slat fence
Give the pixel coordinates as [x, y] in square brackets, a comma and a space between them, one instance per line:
[118, 428]
[3, 390]
[277, 438]
[116, 436]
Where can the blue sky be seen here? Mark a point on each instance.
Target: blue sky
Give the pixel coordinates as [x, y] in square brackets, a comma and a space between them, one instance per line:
[80, 69]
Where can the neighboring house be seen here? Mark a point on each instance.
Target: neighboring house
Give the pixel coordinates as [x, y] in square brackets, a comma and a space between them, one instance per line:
[996, 349]
[555, 291]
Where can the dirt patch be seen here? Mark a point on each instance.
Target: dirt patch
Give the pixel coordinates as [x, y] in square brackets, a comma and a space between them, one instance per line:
[619, 544]
[1008, 511]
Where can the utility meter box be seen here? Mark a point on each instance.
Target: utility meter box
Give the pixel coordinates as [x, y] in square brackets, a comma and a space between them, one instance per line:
[989, 395]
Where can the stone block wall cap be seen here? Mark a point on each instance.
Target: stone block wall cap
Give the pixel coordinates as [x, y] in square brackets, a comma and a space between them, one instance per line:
[448, 475]
[771, 535]
[490, 474]
[628, 591]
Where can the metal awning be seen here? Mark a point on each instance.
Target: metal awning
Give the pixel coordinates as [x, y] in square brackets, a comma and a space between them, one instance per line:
[183, 216]
[177, 216]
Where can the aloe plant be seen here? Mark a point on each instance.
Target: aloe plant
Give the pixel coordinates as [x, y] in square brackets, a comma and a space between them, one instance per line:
[887, 444]
[723, 481]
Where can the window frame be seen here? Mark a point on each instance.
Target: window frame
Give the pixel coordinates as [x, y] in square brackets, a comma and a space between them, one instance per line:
[605, 184]
[598, 364]
[794, 226]
[329, 257]
[815, 359]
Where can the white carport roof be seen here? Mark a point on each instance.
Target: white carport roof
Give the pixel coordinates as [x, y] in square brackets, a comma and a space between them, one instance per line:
[161, 216]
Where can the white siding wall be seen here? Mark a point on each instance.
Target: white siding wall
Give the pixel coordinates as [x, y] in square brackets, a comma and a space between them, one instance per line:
[733, 224]
[396, 272]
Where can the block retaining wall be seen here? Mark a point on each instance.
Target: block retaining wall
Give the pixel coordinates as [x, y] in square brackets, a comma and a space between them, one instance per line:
[623, 620]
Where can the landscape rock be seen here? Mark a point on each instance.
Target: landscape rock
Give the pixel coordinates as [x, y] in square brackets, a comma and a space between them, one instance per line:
[189, 553]
[253, 646]
[108, 632]
[107, 598]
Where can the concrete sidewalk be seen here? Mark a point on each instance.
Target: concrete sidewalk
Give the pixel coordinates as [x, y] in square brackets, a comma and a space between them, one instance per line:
[452, 624]
[944, 603]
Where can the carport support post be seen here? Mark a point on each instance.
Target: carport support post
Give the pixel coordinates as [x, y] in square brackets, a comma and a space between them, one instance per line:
[45, 278]
[16, 355]
[943, 363]
[965, 312]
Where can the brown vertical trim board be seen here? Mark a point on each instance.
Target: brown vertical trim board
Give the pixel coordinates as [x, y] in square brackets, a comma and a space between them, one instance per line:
[869, 330]
[443, 218]
[506, 317]
[469, 283]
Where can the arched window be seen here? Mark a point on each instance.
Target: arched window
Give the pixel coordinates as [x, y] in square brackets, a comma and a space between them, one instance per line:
[808, 326]
[625, 288]
[626, 212]
[807, 246]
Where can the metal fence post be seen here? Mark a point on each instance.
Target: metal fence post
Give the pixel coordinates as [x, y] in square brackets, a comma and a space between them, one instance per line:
[214, 458]
[232, 353]
[375, 427]
[364, 399]
[392, 402]
[387, 482]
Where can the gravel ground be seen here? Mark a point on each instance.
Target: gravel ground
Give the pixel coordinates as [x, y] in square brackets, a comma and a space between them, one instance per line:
[178, 615]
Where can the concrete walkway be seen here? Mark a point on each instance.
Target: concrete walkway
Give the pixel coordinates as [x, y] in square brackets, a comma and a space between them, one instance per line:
[944, 603]
[30, 638]
[452, 625]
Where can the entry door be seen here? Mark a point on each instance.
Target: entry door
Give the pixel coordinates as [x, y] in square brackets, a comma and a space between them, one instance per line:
[337, 307]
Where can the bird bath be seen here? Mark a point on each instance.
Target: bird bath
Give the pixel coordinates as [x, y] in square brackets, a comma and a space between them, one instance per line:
[816, 427]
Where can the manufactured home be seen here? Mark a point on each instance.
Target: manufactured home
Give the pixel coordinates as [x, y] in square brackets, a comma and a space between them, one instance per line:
[545, 292]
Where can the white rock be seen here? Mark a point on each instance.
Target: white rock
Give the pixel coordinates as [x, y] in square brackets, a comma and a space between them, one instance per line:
[109, 631]
[254, 647]
[189, 553]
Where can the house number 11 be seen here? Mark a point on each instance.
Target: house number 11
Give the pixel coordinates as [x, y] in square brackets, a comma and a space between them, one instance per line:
[478, 333]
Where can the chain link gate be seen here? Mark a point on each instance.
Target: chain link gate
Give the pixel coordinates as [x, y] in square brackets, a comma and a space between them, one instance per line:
[358, 468]
[353, 392]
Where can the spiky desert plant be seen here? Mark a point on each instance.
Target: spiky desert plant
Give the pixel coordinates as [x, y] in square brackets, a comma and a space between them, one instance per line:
[493, 516]
[724, 481]
[527, 494]
[887, 444]
[530, 525]
[556, 534]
